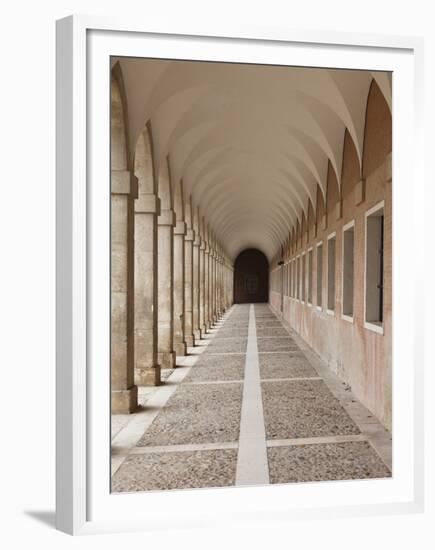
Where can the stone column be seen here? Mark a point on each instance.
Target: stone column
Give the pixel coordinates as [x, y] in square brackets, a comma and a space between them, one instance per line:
[179, 340]
[227, 302]
[220, 286]
[123, 193]
[215, 317]
[202, 287]
[195, 279]
[166, 353]
[146, 367]
[188, 294]
[206, 288]
[211, 290]
[218, 309]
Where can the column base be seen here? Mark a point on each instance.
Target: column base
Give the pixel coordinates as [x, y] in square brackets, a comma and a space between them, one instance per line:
[180, 349]
[166, 359]
[124, 401]
[147, 376]
[190, 340]
[197, 334]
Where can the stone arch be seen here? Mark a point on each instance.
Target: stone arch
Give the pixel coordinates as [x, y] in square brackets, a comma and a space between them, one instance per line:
[124, 390]
[164, 186]
[351, 167]
[144, 168]
[179, 203]
[378, 130]
[119, 150]
[147, 371]
[332, 194]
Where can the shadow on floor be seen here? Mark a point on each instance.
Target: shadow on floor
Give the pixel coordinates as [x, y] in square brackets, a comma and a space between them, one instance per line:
[47, 517]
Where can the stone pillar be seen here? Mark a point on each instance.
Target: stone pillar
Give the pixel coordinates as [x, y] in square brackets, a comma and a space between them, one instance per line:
[166, 353]
[202, 287]
[218, 310]
[206, 288]
[146, 367]
[123, 193]
[188, 287]
[219, 277]
[179, 340]
[195, 279]
[227, 294]
[211, 259]
[215, 317]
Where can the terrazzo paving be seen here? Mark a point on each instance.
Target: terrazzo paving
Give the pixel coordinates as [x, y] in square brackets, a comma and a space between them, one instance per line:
[285, 365]
[195, 436]
[276, 344]
[271, 332]
[303, 408]
[197, 414]
[235, 332]
[228, 345]
[175, 470]
[325, 462]
[215, 367]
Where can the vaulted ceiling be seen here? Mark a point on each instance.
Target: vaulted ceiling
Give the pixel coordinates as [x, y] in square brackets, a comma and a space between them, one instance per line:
[251, 143]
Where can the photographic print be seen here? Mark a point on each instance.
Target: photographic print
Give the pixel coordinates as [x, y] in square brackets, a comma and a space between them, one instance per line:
[251, 274]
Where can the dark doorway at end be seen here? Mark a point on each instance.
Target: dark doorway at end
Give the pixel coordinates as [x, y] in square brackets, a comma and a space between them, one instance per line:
[251, 277]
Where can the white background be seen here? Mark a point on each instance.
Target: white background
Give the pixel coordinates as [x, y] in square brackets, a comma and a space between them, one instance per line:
[27, 412]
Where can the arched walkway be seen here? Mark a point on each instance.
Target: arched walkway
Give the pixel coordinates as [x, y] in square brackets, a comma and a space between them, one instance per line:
[251, 269]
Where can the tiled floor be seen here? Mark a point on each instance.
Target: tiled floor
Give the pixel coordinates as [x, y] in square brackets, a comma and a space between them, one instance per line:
[252, 404]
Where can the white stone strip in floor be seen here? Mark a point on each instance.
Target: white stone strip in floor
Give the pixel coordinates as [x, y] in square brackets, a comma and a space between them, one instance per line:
[290, 379]
[281, 351]
[252, 465]
[204, 382]
[315, 440]
[180, 448]
[224, 353]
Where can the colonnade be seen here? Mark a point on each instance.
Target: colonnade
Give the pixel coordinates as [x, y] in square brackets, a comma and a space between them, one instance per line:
[209, 160]
[171, 279]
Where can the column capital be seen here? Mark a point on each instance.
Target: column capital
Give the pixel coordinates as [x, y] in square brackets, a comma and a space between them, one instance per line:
[147, 203]
[167, 217]
[190, 235]
[203, 244]
[180, 228]
[123, 182]
[197, 241]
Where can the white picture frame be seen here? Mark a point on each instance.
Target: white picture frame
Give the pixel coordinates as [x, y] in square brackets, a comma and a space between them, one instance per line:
[84, 505]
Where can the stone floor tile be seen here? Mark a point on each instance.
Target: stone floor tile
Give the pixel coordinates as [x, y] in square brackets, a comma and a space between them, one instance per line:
[217, 367]
[235, 332]
[303, 408]
[285, 365]
[276, 344]
[205, 413]
[325, 462]
[228, 345]
[176, 470]
[272, 332]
